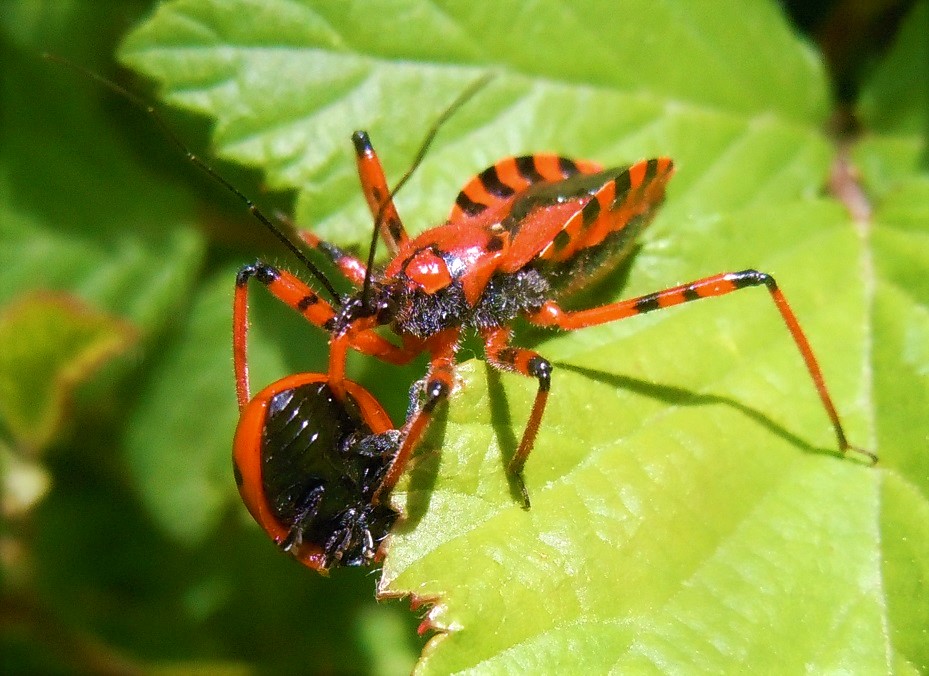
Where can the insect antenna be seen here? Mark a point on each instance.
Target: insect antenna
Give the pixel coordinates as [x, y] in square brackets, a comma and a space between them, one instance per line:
[453, 107]
[152, 112]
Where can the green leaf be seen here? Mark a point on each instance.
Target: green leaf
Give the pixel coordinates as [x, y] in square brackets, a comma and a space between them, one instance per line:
[98, 225]
[689, 505]
[292, 108]
[899, 237]
[95, 203]
[179, 440]
[48, 345]
[901, 328]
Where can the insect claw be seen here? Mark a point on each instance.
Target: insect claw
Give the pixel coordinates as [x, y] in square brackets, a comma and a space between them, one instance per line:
[518, 487]
[872, 457]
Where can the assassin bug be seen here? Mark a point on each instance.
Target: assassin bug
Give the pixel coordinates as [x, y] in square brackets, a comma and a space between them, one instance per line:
[522, 234]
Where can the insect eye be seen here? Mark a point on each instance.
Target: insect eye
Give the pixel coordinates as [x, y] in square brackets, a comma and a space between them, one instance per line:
[428, 271]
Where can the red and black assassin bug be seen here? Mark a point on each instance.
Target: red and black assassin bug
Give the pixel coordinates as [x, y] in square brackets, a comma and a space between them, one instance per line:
[522, 234]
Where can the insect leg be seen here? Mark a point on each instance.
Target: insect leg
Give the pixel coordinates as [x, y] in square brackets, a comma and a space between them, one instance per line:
[286, 288]
[718, 285]
[528, 363]
[360, 336]
[351, 267]
[374, 185]
[291, 291]
[438, 385]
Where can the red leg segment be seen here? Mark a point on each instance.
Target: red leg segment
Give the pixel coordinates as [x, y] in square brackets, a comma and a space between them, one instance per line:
[293, 292]
[240, 343]
[528, 363]
[287, 289]
[374, 185]
[338, 351]
[718, 285]
[439, 382]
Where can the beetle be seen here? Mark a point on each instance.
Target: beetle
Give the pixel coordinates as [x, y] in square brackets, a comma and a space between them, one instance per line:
[307, 465]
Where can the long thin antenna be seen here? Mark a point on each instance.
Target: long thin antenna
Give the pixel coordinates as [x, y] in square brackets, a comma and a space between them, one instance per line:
[453, 107]
[150, 110]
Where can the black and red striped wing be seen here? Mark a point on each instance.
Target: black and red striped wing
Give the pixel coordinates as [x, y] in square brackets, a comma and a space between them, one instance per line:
[504, 181]
[625, 196]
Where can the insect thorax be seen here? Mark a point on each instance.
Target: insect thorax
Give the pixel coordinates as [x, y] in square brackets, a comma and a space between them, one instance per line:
[506, 296]
[509, 295]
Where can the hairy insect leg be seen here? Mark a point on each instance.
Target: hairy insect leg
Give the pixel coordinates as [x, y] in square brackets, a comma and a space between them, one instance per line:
[503, 356]
[718, 285]
[285, 287]
[360, 336]
[351, 267]
[438, 385]
[291, 291]
[374, 184]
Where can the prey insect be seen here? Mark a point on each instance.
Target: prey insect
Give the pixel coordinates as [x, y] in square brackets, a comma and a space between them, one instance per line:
[307, 465]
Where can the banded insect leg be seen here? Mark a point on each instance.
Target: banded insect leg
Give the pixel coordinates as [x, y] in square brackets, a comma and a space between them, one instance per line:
[438, 385]
[528, 363]
[717, 285]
